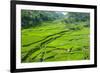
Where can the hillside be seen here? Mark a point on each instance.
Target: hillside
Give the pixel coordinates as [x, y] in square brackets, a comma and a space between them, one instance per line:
[55, 40]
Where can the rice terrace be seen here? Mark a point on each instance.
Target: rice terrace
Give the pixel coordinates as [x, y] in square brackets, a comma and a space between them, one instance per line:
[48, 36]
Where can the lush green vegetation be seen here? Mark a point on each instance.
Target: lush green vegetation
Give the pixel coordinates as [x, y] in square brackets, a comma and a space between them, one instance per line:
[54, 36]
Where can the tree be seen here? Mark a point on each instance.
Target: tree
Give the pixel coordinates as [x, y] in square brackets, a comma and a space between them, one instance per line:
[77, 16]
[31, 18]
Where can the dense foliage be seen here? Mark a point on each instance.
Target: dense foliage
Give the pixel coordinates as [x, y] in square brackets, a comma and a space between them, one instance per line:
[34, 18]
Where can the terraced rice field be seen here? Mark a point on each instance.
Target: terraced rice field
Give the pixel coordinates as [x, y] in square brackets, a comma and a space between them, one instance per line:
[53, 41]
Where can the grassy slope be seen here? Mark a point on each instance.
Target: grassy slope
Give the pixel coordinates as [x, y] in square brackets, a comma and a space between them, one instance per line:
[53, 41]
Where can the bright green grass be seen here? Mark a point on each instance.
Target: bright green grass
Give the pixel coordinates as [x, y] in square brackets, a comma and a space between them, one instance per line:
[54, 41]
